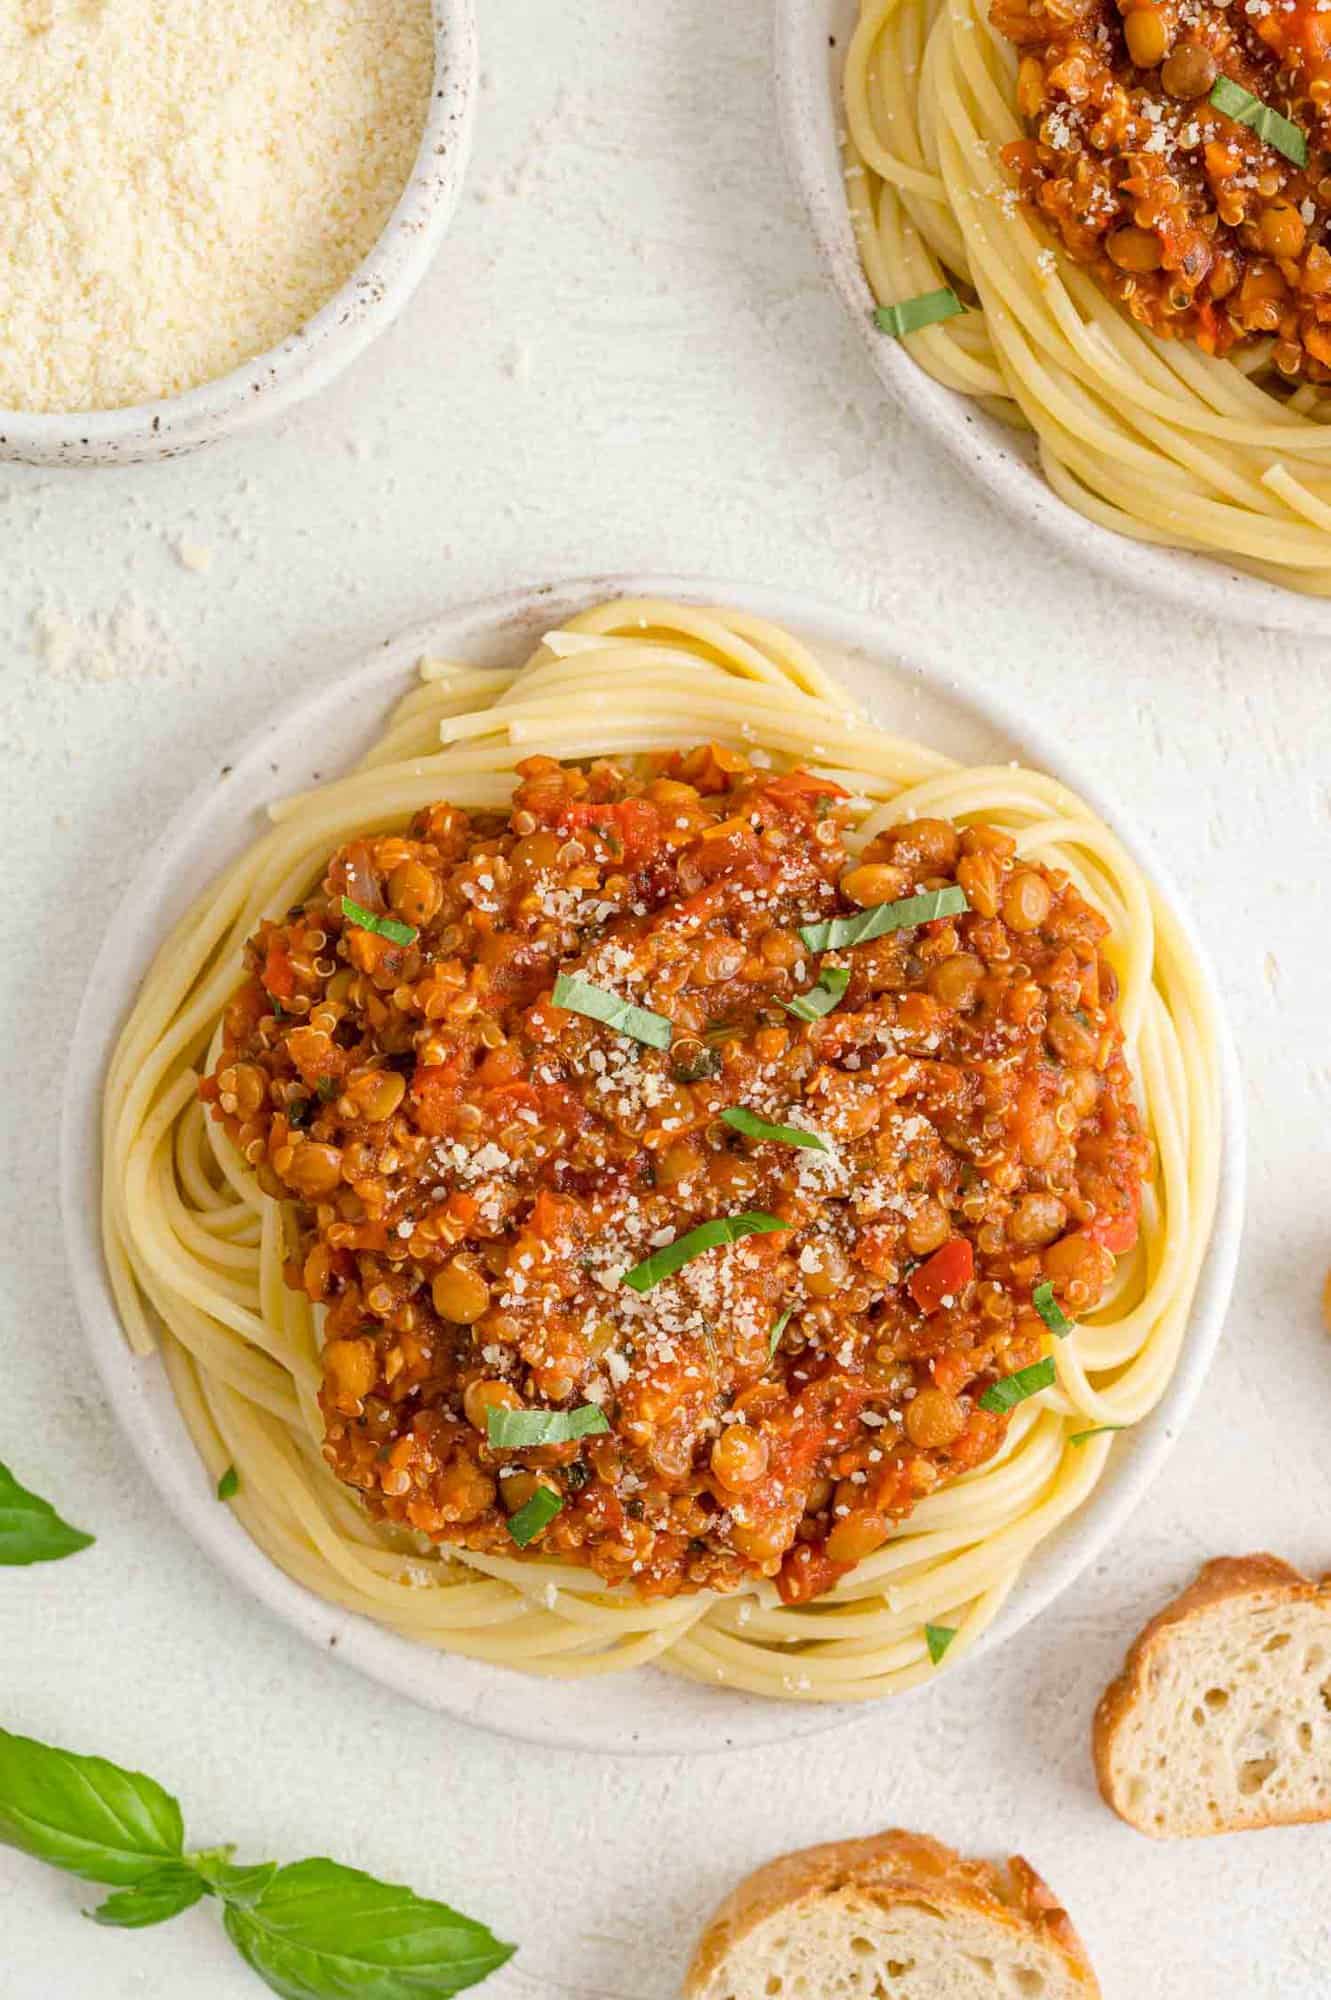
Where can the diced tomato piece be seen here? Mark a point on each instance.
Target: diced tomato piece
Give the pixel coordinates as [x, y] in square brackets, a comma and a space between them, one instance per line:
[279, 976]
[942, 1276]
[435, 1091]
[1116, 1233]
[806, 1572]
[631, 829]
[802, 784]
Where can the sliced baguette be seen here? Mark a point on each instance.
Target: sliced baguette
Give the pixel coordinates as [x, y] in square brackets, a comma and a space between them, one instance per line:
[1221, 1718]
[896, 1917]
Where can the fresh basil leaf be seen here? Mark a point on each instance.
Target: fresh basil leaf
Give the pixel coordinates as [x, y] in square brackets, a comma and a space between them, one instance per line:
[1051, 1312]
[712, 1235]
[30, 1529]
[362, 919]
[597, 1003]
[323, 1932]
[925, 309]
[534, 1516]
[1263, 119]
[235, 1882]
[1082, 1437]
[753, 1127]
[938, 1638]
[778, 1328]
[822, 998]
[84, 1814]
[159, 1896]
[1010, 1390]
[229, 1484]
[518, 1430]
[839, 933]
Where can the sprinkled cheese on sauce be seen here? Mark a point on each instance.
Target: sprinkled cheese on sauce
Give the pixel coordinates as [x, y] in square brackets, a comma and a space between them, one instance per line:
[724, 1346]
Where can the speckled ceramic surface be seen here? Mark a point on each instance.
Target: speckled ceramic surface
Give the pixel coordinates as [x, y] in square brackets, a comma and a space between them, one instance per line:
[810, 43]
[647, 1710]
[369, 301]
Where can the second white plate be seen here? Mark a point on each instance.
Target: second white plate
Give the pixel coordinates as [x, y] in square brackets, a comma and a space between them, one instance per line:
[811, 37]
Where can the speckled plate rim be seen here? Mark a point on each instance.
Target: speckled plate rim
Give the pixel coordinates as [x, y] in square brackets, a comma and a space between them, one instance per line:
[807, 70]
[362, 308]
[645, 1711]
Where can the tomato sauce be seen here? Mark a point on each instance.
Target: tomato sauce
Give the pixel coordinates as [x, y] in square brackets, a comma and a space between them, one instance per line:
[472, 1169]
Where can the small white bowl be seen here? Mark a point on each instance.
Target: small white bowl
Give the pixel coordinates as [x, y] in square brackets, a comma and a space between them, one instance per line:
[811, 38]
[369, 301]
[325, 730]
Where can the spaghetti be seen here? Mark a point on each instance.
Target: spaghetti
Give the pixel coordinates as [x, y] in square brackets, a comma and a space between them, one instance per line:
[197, 1250]
[1151, 437]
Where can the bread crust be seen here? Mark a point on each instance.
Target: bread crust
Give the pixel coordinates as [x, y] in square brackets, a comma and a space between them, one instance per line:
[889, 1868]
[1220, 1580]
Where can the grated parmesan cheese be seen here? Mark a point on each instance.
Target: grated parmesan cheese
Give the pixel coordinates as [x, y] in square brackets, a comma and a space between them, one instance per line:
[181, 189]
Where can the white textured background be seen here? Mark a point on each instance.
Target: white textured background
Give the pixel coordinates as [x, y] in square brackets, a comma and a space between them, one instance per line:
[624, 358]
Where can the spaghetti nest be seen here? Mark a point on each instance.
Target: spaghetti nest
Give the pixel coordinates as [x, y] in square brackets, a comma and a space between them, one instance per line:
[803, 1449]
[1152, 437]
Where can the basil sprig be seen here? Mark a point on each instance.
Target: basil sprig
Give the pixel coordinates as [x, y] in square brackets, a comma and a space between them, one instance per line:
[579, 996]
[30, 1529]
[838, 933]
[311, 1931]
[754, 1127]
[707, 1236]
[822, 998]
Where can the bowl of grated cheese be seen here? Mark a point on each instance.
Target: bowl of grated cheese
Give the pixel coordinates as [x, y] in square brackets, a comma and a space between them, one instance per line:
[223, 223]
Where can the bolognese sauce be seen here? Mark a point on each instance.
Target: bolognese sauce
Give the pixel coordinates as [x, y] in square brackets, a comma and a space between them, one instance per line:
[1197, 225]
[925, 1127]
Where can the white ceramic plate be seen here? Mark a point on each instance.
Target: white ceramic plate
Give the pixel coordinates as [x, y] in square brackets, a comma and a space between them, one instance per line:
[811, 37]
[646, 1710]
[368, 302]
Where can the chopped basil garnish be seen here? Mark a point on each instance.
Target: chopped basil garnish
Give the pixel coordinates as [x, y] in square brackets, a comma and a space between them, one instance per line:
[1080, 1437]
[880, 918]
[516, 1430]
[938, 1638]
[822, 998]
[778, 1328]
[1051, 1312]
[1014, 1389]
[579, 996]
[538, 1513]
[925, 309]
[707, 1236]
[1269, 124]
[30, 1529]
[229, 1484]
[386, 927]
[754, 1127]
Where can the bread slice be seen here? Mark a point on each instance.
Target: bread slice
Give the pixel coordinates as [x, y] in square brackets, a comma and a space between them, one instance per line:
[897, 1917]
[1221, 1718]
